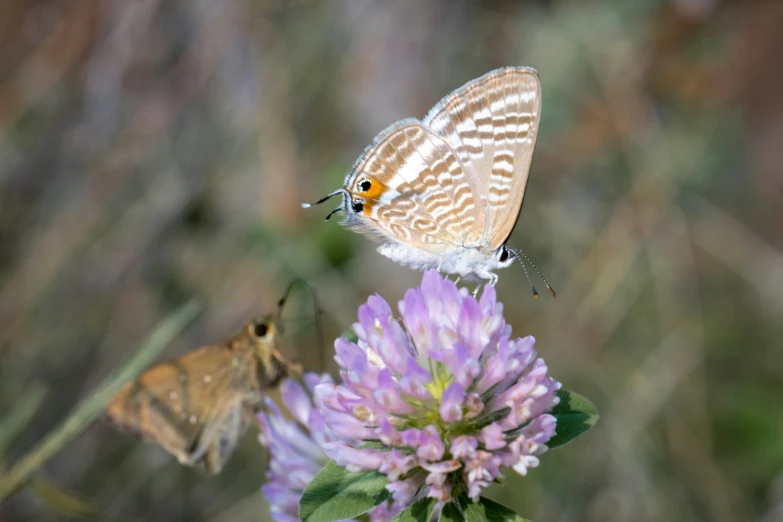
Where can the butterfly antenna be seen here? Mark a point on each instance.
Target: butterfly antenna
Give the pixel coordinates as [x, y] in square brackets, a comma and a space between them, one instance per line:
[517, 253]
[338, 209]
[326, 198]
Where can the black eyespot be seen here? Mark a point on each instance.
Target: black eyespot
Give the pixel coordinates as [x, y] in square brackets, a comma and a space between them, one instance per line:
[364, 185]
[504, 255]
[358, 206]
[260, 329]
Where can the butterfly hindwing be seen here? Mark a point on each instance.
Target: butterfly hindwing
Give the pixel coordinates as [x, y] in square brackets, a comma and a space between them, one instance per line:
[224, 435]
[492, 124]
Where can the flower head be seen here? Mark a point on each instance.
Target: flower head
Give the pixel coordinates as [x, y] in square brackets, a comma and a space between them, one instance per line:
[441, 401]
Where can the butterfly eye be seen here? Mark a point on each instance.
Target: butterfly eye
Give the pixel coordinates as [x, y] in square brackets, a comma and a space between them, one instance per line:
[358, 206]
[260, 330]
[365, 184]
[504, 255]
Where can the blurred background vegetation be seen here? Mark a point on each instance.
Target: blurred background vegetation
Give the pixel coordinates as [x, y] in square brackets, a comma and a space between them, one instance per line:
[154, 151]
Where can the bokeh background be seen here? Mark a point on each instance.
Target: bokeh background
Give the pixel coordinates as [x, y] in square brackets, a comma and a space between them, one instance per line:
[154, 151]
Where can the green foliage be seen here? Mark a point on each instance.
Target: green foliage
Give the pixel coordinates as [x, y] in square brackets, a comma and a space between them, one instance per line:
[350, 335]
[419, 511]
[485, 510]
[491, 511]
[336, 494]
[575, 415]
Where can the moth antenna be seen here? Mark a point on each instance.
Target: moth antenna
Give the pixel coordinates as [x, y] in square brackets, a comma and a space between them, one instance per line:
[318, 311]
[281, 302]
[517, 254]
[291, 285]
[325, 198]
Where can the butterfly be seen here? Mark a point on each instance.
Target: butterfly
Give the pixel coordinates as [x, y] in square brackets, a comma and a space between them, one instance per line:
[445, 192]
[198, 406]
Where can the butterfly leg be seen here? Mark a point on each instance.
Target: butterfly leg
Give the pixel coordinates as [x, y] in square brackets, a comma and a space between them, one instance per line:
[490, 276]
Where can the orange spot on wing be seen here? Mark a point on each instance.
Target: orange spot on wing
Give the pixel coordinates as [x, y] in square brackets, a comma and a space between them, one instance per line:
[377, 188]
[371, 196]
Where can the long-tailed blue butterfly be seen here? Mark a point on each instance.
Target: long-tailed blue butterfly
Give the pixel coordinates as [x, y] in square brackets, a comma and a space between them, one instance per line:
[445, 192]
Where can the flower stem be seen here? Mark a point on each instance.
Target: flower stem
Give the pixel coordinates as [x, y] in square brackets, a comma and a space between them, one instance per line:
[92, 406]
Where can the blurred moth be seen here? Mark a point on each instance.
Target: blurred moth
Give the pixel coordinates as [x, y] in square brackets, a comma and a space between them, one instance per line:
[199, 405]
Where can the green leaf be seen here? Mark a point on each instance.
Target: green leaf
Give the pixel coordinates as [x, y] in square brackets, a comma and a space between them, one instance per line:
[494, 416]
[350, 335]
[452, 512]
[575, 415]
[374, 444]
[336, 494]
[462, 509]
[487, 510]
[419, 511]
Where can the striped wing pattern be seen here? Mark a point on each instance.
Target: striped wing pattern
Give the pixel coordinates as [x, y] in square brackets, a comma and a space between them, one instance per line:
[491, 123]
[446, 192]
[420, 194]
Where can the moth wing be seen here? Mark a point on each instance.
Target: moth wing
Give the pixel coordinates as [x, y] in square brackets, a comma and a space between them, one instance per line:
[172, 402]
[420, 194]
[492, 124]
[223, 434]
[229, 420]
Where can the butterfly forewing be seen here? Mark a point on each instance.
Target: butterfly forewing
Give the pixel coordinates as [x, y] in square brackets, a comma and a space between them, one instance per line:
[413, 187]
[492, 123]
[184, 404]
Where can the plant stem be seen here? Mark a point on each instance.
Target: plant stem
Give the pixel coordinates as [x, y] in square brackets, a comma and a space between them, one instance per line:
[92, 406]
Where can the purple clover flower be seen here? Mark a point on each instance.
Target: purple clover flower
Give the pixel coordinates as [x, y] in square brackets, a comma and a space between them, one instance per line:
[294, 446]
[441, 402]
